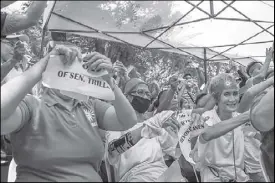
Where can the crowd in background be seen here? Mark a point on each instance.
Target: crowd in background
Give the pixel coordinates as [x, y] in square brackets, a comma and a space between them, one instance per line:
[48, 136]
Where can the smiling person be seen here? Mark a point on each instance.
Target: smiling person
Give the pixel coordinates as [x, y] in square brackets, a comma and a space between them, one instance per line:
[258, 71]
[221, 145]
[56, 138]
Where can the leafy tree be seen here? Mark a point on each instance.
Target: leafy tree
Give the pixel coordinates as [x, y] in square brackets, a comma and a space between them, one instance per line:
[152, 64]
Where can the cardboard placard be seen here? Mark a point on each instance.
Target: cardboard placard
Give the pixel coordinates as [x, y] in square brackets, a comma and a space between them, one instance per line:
[187, 127]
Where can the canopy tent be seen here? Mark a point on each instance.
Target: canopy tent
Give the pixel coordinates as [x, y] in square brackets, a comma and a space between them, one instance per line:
[213, 31]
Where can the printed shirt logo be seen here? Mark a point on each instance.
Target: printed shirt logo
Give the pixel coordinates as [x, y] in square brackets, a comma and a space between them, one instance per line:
[90, 114]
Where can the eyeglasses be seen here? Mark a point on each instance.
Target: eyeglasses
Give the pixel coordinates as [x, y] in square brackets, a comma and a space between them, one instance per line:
[142, 93]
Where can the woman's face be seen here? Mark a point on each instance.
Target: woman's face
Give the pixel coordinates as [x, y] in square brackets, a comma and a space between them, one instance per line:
[229, 100]
[141, 90]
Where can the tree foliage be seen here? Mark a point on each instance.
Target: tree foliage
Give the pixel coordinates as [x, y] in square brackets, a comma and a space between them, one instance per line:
[152, 64]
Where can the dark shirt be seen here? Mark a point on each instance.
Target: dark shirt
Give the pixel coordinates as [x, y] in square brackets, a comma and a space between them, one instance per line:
[57, 143]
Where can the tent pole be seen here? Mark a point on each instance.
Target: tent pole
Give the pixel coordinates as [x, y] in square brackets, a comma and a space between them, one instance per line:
[42, 43]
[243, 20]
[222, 10]
[242, 42]
[172, 25]
[205, 65]
[236, 10]
[197, 7]
[212, 9]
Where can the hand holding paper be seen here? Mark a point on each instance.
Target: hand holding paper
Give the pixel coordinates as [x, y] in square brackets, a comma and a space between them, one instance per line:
[96, 62]
[69, 54]
[120, 68]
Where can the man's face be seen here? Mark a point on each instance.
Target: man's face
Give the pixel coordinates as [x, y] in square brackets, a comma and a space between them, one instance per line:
[255, 69]
[229, 100]
[188, 80]
[7, 50]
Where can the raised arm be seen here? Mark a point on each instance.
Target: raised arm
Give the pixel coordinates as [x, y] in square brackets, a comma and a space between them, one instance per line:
[11, 113]
[201, 78]
[164, 104]
[224, 127]
[16, 22]
[262, 113]
[7, 67]
[250, 94]
[262, 74]
[120, 115]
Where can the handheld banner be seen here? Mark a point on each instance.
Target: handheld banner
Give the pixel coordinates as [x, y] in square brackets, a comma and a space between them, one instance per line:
[75, 79]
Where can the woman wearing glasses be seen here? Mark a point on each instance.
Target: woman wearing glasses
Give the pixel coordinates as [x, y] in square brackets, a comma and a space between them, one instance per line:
[138, 154]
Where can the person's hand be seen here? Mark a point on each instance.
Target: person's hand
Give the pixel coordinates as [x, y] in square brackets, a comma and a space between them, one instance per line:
[19, 51]
[174, 82]
[155, 89]
[154, 126]
[68, 55]
[269, 53]
[120, 68]
[96, 62]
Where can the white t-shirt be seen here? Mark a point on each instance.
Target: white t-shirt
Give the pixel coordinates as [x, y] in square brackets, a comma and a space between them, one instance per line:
[218, 154]
[144, 161]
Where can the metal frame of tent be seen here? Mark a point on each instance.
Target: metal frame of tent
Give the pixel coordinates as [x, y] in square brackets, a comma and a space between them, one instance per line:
[211, 15]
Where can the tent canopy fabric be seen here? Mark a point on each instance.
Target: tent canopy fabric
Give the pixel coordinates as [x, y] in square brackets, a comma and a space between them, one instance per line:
[210, 30]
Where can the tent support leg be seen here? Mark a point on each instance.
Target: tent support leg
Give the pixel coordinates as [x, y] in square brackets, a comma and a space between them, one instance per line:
[212, 9]
[205, 65]
[42, 43]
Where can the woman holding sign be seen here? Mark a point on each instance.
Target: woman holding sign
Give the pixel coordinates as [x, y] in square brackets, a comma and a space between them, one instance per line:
[55, 138]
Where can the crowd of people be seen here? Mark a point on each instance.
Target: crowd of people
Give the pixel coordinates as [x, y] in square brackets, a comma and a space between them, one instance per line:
[50, 136]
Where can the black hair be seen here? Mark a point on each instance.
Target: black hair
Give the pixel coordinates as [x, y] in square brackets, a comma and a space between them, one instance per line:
[244, 79]
[250, 65]
[199, 96]
[185, 75]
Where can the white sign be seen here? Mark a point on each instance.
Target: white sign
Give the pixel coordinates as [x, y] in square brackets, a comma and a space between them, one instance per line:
[75, 79]
[187, 127]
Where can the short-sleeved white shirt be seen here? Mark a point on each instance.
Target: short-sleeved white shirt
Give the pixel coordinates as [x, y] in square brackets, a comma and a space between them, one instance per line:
[218, 154]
